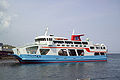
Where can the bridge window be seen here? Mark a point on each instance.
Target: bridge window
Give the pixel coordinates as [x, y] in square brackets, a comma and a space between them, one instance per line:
[80, 52]
[77, 42]
[62, 52]
[50, 39]
[44, 51]
[72, 52]
[41, 39]
[32, 50]
[76, 38]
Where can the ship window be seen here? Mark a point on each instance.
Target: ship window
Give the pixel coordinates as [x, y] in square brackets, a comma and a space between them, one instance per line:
[58, 45]
[103, 47]
[37, 40]
[63, 45]
[80, 52]
[80, 45]
[102, 53]
[76, 38]
[50, 39]
[44, 51]
[96, 53]
[32, 50]
[77, 42]
[91, 47]
[72, 52]
[40, 39]
[85, 43]
[62, 52]
[76, 45]
[72, 45]
[58, 41]
[67, 45]
[68, 42]
[97, 47]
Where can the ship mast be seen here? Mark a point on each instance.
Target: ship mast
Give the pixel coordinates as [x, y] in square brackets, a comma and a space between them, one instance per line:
[46, 32]
[73, 32]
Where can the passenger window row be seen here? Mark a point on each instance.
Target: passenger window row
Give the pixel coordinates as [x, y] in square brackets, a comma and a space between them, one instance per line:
[70, 45]
[43, 39]
[72, 52]
[61, 52]
[70, 42]
[92, 47]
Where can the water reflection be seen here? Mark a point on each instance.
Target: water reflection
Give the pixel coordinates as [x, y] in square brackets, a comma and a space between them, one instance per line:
[13, 70]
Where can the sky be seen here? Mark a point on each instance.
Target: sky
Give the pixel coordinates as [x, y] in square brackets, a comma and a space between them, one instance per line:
[22, 20]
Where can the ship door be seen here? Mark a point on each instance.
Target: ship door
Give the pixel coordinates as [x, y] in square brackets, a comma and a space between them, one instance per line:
[80, 52]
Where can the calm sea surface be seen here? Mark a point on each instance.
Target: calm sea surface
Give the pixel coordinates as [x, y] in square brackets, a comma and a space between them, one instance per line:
[110, 70]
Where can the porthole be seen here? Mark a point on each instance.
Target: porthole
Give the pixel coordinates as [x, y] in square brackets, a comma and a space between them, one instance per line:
[80, 45]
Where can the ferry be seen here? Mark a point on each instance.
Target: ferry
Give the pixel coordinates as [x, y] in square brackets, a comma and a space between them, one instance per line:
[51, 49]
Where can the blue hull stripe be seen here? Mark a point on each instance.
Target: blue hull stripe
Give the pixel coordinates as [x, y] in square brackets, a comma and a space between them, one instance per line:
[58, 59]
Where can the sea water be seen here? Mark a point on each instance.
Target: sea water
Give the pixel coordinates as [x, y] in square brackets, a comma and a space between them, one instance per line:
[110, 70]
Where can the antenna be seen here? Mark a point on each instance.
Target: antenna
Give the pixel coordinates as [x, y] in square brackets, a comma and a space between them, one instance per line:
[46, 32]
[73, 32]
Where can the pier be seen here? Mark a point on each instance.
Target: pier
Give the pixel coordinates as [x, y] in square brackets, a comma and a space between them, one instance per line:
[6, 51]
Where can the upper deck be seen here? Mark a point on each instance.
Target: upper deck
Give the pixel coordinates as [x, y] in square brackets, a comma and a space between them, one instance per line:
[62, 42]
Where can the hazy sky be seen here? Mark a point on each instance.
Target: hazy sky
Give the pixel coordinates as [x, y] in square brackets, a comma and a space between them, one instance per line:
[22, 20]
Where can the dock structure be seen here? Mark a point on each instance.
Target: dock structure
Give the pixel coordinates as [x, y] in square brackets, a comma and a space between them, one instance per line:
[6, 51]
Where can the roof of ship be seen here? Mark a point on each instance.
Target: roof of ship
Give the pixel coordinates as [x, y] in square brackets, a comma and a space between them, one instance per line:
[43, 37]
[38, 37]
